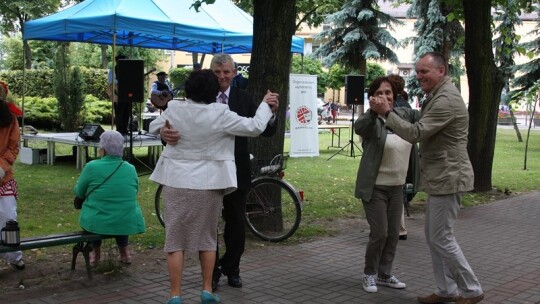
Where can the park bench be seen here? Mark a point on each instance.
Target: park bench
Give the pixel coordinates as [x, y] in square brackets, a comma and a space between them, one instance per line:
[82, 240]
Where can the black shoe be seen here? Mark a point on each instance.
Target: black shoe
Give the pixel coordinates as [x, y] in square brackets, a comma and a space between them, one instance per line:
[234, 281]
[403, 237]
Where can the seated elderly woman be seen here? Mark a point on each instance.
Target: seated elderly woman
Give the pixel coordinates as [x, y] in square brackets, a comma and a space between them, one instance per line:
[110, 186]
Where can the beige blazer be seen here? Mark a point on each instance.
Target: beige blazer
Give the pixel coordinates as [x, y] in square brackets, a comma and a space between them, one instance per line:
[442, 132]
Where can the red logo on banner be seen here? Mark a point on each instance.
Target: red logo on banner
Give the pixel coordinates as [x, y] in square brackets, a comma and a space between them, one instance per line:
[304, 115]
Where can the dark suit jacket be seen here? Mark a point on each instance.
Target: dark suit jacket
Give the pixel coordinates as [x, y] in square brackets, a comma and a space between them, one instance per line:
[245, 105]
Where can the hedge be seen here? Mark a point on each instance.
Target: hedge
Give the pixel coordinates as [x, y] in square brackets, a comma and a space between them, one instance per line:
[39, 83]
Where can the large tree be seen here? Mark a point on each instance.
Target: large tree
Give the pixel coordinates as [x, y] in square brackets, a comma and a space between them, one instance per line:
[531, 69]
[273, 28]
[486, 82]
[16, 12]
[435, 32]
[359, 32]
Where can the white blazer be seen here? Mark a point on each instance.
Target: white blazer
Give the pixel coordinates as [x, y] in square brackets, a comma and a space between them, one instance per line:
[203, 158]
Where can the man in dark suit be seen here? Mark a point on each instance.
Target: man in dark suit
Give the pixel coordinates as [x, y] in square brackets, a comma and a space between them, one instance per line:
[234, 204]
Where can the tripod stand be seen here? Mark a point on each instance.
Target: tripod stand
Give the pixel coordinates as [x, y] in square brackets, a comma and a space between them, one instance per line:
[352, 145]
[131, 128]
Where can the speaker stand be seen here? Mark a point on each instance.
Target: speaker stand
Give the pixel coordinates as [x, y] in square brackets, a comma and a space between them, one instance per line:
[131, 157]
[352, 145]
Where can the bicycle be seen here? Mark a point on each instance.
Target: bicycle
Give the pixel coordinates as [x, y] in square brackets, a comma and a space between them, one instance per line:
[273, 206]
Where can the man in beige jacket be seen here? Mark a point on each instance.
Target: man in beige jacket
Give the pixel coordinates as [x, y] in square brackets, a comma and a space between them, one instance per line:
[446, 173]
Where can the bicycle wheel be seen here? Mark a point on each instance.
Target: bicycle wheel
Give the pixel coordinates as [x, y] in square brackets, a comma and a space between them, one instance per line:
[273, 210]
[159, 205]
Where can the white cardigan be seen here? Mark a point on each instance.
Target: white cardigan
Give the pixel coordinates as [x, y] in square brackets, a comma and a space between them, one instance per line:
[203, 158]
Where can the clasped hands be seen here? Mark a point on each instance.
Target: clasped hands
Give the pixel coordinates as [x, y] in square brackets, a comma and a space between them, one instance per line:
[272, 100]
[379, 105]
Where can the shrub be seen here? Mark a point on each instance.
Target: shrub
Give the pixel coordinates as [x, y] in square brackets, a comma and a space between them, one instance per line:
[42, 113]
[39, 83]
[96, 110]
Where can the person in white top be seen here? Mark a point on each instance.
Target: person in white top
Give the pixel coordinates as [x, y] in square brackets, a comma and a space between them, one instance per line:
[198, 171]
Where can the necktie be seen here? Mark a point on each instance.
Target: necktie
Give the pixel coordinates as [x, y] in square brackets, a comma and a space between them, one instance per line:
[223, 98]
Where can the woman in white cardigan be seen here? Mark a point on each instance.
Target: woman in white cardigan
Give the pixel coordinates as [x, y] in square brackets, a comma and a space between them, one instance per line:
[198, 171]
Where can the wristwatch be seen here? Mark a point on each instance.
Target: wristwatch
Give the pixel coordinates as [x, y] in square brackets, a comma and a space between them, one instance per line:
[387, 113]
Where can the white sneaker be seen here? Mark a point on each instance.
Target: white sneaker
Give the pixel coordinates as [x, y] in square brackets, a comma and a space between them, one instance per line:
[392, 282]
[368, 282]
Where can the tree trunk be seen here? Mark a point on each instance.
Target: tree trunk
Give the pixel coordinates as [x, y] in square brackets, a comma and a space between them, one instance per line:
[485, 87]
[273, 27]
[514, 123]
[27, 55]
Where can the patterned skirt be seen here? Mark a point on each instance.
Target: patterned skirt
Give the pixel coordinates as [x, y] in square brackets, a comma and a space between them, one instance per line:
[191, 219]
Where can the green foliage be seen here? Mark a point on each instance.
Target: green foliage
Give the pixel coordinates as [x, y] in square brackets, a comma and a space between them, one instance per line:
[310, 66]
[39, 83]
[336, 76]
[359, 32]
[438, 29]
[506, 43]
[178, 76]
[96, 110]
[67, 85]
[86, 54]
[12, 48]
[15, 12]
[76, 99]
[530, 71]
[373, 71]
[41, 113]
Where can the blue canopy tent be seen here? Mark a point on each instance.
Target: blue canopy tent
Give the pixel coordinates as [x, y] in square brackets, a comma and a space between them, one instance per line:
[160, 24]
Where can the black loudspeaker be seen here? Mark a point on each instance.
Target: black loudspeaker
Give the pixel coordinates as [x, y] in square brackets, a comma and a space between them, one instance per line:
[91, 132]
[130, 76]
[354, 89]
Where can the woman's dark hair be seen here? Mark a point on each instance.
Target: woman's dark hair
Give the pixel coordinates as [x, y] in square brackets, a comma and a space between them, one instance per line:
[202, 86]
[376, 83]
[5, 114]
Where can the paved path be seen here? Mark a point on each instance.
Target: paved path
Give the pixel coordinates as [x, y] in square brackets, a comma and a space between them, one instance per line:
[501, 241]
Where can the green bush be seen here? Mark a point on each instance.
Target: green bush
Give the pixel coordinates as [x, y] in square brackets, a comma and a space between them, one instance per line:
[39, 83]
[42, 113]
[96, 110]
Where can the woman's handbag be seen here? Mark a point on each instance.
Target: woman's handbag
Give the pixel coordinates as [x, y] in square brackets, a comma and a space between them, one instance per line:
[78, 202]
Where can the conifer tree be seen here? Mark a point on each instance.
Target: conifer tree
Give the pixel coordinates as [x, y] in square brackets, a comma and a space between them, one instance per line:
[360, 31]
[435, 33]
[530, 70]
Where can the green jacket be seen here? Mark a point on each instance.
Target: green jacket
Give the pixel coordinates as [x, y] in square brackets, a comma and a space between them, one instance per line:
[373, 132]
[442, 132]
[111, 209]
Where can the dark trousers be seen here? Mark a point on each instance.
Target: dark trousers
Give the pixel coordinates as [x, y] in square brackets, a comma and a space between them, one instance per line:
[121, 241]
[383, 214]
[234, 215]
[122, 111]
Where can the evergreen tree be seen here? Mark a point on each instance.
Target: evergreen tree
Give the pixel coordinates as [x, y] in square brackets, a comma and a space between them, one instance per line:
[506, 46]
[359, 32]
[435, 32]
[531, 69]
[68, 88]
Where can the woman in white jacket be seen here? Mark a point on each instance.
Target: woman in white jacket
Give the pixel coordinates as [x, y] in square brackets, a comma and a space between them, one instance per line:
[198, 171]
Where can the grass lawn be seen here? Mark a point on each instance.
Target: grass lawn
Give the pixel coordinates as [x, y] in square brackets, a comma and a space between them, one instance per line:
[46, 195]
